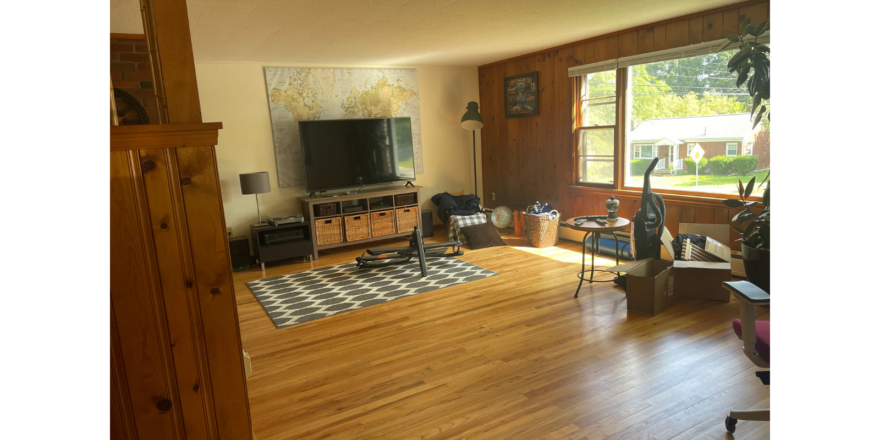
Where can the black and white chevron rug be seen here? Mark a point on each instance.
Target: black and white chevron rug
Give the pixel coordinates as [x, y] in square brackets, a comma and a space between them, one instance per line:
[306, 296]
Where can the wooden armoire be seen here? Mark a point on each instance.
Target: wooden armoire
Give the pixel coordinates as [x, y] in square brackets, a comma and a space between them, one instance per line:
[176, 370]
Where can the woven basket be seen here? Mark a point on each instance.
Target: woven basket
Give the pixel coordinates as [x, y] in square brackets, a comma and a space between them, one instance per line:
[326, 209]
[407, 219]
[329, 230]
[541, 230]
[382, 222]
[405, 199]
[357, 227]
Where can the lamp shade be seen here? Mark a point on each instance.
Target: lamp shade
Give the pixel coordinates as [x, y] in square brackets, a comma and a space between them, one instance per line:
[255, 183]
[472, 119]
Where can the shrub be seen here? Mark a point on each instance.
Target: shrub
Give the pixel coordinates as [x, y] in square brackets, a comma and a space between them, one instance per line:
[638, 167]
[690, 169]
[721, 165]
[744, 165]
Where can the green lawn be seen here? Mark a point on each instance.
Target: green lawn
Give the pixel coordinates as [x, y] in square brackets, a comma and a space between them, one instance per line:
[707, 183]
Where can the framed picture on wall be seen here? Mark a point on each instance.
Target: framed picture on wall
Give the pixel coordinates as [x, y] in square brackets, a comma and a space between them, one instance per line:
[521, 95]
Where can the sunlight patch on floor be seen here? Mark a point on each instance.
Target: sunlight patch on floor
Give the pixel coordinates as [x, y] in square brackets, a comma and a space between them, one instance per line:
[566, 256]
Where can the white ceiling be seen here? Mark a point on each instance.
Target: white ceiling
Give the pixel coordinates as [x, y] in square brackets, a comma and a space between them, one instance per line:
[400, 32]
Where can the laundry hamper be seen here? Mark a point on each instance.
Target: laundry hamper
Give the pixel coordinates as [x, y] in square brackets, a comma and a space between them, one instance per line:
[542, 230]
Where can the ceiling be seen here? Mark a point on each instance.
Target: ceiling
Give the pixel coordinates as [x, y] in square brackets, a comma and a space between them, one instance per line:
[400, 32]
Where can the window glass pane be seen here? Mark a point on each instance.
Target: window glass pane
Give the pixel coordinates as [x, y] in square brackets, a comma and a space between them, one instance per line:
[679, 104]
[599, 97]
[598, 170]
[597, 142]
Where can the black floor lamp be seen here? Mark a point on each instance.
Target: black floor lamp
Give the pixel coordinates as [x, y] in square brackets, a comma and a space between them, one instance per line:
[473, 121]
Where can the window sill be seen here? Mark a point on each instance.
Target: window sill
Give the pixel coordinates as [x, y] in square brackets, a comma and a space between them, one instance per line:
[706, 199]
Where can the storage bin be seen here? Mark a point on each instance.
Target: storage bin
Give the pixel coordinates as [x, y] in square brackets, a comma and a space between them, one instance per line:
[405, 199]
[357, 227]
[407, 219]
[328, 230]
[382, 222]
[325, 209]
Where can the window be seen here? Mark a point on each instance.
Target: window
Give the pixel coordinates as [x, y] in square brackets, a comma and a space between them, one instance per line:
[643, 151]
[731, 149]
[691, 101]
[597, 128]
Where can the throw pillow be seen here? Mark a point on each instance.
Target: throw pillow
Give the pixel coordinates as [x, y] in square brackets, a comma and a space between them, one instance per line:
[482, 236]
[456, 222]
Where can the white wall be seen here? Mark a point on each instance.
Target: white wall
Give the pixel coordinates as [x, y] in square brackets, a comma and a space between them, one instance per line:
[235, 94]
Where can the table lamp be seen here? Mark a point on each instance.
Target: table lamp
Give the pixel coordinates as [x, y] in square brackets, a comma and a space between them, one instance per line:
[255, 183]
[473, 121]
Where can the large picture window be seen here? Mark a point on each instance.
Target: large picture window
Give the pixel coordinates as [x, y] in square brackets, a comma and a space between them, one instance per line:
[673, 106]
[597, 128]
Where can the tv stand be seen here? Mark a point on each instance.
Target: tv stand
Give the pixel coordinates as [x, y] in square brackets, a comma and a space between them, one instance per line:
[409, 185]
[371, 201]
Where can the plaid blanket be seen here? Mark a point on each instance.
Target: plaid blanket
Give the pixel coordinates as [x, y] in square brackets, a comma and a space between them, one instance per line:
[456, 222]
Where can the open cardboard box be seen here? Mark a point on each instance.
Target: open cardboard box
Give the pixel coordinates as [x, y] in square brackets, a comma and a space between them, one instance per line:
[698, 279]
[648, 285]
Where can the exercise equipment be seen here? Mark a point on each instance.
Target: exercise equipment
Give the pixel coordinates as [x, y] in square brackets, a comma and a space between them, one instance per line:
[648, 221]
[417, 249]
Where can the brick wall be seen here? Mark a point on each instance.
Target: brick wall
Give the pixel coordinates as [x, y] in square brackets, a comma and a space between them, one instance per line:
[130, 70]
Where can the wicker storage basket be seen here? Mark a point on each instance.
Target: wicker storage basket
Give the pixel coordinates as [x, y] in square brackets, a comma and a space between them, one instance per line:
[405, 199]
[407, 219]
[326, 209]
[541, 230]
[357, 227]
[382, 222]
[329, 230]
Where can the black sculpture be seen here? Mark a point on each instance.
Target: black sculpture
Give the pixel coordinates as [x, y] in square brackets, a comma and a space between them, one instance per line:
[648, 221]
[416, 249]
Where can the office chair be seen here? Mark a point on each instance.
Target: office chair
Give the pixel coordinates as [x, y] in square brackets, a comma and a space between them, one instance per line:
[756, 342]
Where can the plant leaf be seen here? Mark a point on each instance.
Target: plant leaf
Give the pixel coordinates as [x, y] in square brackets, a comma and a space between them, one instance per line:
[759, 116]
[736, 229]
[733, 38]
[743, 24]
[766, 198]
[743, 217]
[739, 187]
[750, 187]
[733, 203]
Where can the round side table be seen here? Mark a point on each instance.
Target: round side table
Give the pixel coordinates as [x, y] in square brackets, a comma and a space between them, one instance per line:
[595, 230]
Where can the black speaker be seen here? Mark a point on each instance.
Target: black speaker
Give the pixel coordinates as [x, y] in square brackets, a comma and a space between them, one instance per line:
[240, 251]
[427, 223]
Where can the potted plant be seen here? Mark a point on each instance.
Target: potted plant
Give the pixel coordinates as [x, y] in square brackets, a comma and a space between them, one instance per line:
[754, 226]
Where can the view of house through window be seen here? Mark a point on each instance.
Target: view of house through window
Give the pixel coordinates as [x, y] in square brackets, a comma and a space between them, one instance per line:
[597, 127]
[674, 106]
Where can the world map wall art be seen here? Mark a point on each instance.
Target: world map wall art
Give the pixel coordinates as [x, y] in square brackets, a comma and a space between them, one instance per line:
[308, 94]
[521, 95]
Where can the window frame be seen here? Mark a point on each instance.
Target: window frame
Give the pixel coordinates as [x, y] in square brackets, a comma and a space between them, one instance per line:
[750, 149]
[690, 148]
[578, 120]
[735, 149]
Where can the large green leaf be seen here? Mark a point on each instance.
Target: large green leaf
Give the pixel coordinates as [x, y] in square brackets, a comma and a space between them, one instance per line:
[759, 116]
[733, 203]
[733, 38]
[750, 187]
[743, 217]
[743, 24]
[766, 198]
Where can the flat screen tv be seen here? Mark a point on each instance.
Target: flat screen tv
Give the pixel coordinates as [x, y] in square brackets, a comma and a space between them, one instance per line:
[347, 153]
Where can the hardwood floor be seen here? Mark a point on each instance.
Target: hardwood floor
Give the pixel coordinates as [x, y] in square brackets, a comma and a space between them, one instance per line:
[513, 356]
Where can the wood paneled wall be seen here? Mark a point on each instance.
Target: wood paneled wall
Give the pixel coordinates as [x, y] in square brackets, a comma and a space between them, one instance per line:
[532, 158]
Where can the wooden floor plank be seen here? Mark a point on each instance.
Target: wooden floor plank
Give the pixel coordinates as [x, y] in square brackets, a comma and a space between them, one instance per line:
[512, 356]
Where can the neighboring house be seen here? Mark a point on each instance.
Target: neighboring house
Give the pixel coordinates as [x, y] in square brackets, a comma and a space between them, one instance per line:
[672, 139]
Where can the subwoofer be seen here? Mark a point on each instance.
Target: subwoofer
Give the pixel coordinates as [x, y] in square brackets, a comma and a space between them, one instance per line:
[427, 223]
[240, 252]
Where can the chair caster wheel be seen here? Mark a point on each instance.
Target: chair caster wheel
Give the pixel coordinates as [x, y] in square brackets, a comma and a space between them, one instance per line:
[730, 424]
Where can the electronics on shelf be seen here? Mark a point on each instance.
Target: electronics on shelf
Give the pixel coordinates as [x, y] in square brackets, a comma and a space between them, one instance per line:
[284, 236]
[286, 219]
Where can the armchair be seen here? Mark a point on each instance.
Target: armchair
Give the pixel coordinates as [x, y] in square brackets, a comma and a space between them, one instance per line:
[756, 342]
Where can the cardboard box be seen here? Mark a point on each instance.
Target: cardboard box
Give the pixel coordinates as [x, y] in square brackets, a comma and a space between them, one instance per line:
[698, 279]
[648, 285]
